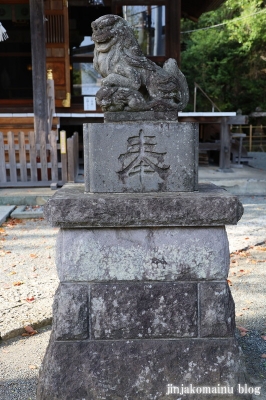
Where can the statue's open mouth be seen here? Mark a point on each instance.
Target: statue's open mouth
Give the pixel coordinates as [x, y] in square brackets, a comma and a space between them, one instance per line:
[102, 35]
[103, 40]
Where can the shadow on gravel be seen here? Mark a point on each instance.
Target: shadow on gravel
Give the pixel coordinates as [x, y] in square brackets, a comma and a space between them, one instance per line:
[18, 389]
[20, 361]
[254, 347]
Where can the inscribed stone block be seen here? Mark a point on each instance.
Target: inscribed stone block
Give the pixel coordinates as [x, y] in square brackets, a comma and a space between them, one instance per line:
[141, 157]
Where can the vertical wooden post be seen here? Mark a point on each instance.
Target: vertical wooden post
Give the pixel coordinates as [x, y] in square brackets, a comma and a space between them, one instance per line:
[70, 160]
[2, 160]
[43, 157]
[54, 162]
[22, 157]
[157, 46]
[225, 150]
[72, 157]
[12, 157]
[38, 54]
[250, 137]
[50, 99]
[63, 151]
[195, 97]
[33, 162]
[174, 9]
[76, 153]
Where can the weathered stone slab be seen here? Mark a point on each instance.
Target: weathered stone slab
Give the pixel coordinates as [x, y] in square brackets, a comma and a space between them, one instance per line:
[135, 311]
[141, 157]
[217, 310]
[126, 116]
[70, 310]
[139, 369]
[70, 207]
[135, 254]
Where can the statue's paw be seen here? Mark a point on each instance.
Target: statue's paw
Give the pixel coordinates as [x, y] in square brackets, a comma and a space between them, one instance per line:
[116, 108]
[106, 83]
[164, 105]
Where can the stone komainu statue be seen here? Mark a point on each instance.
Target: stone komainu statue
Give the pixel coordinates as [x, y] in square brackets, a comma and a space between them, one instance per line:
[131, 82]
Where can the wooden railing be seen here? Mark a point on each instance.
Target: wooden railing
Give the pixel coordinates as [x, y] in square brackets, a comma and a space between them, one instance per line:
[23, 162]
[196, 86]
[255, 139]
[50, 99]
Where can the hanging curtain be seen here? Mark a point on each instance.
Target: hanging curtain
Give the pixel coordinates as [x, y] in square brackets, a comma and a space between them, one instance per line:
[3, 34]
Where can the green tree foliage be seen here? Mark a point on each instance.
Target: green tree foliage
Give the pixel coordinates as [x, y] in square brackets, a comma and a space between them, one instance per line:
[228, 61]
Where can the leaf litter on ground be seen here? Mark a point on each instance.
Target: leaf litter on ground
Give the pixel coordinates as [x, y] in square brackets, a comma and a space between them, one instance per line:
[29, 331]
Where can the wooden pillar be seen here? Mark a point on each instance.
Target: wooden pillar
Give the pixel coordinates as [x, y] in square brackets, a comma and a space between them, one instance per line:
[38, 54]
[174, 10]
[225, 152]
[158, 44]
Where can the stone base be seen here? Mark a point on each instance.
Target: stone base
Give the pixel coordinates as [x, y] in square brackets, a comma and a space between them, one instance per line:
[142, 254]
[142, 307]
[141, 369]
[70, 207]
[141, 157]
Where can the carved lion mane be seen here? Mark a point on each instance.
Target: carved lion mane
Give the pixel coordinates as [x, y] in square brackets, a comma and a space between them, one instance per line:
[120, 61]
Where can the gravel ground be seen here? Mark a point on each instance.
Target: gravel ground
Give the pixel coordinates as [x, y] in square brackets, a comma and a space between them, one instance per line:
[20, 360]
[247, 281]
[27, 249]
[251, 229]
[28, 276]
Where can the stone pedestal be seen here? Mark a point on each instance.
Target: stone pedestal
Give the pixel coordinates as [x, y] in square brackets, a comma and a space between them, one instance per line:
[143, 310]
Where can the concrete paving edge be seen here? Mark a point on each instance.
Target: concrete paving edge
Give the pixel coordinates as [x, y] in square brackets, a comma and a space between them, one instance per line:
[21, 213]
[24, 200]
[5, 212]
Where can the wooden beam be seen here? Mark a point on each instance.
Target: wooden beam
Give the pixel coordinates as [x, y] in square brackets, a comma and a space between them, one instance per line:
[37, 22]
[237, 120]
[258, 114]
[16, 122]
[209, 146]
[21, 122]
[14, 2]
